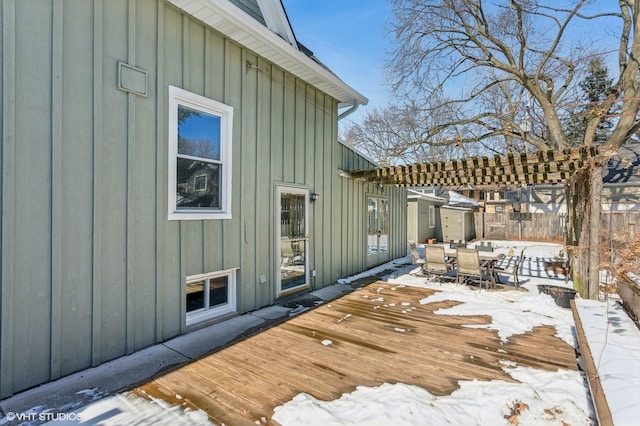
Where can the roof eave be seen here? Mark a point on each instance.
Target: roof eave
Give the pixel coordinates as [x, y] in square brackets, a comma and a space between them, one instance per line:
[243, 29]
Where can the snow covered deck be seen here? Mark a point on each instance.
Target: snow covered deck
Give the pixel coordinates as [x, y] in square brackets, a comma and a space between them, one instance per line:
[379, 334]
[405, 351]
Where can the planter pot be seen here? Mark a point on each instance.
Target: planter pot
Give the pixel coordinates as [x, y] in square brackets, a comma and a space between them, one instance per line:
[557, 266]
[561, 295]
[560, 270]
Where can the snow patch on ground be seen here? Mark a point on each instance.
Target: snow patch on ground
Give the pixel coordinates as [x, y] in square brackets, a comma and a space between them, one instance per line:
[130, 409]
[541, 397]
[512, 312]
[614, 341]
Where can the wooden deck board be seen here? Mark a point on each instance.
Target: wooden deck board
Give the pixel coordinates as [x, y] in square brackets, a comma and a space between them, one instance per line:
[373, 341]
[449, 358]
[197, 391]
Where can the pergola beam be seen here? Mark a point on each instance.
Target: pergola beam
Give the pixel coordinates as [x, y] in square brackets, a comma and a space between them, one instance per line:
[542, 167]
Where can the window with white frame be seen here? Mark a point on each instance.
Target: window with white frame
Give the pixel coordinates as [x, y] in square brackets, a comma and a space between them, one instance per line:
[210, 295]
[432, 217]
[199, 157]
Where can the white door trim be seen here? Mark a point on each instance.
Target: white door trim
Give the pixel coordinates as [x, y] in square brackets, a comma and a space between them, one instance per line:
[280, 258]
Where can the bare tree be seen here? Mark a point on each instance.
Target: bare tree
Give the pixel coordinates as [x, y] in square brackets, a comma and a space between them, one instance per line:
[518, 49]
[510, 69]
[396, 135]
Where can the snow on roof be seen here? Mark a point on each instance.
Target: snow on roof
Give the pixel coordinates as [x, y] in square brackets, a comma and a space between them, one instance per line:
[624, 168]
[459, 200]
[413, 194]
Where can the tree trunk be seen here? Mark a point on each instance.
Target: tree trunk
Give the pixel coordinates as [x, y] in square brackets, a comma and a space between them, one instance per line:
[583, 233]
[595, 201]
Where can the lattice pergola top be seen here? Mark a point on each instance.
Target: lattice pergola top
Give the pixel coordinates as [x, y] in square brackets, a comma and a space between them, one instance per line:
[542, 167]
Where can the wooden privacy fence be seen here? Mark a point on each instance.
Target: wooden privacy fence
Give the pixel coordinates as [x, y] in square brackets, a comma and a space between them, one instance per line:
[550, 226]
[520, 226]
[621, 226]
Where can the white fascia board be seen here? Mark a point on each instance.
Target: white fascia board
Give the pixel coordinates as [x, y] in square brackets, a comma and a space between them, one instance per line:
[276, 19]
[231, 21]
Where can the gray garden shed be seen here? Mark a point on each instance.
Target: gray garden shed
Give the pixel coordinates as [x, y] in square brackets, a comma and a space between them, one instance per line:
[457, 224]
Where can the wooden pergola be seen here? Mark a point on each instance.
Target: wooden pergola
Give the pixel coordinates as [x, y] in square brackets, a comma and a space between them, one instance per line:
[542, 167]
[513, 170]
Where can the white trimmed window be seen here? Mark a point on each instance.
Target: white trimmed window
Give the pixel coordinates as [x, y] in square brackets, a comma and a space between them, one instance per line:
[210, 295]
[432, 217]
[199, 157]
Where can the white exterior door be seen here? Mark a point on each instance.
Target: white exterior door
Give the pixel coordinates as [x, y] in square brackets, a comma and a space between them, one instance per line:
[377, 230]
[292, 226]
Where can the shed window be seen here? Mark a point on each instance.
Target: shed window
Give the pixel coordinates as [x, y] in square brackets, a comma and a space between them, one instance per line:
[432, 217]
[199, 157]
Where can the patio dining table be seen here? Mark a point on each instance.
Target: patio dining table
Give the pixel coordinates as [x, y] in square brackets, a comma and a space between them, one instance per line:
[488, 260]
[492, 256]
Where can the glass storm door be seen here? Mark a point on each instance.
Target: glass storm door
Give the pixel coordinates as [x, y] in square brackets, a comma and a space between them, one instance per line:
[293, 240]
[377, 230]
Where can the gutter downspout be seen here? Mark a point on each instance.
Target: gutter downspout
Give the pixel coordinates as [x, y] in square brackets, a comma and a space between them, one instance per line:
[350, 111]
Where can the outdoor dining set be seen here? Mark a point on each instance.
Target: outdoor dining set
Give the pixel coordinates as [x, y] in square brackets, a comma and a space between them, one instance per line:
[462, 264]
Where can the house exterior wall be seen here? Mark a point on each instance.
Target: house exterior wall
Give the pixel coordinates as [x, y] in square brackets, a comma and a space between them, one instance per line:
[548, 200]
[622, 197]
[418, 228]
[615, 197]
[91, 267]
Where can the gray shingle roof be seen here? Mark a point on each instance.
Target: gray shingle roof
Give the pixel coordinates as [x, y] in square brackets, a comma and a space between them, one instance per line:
[624, 167]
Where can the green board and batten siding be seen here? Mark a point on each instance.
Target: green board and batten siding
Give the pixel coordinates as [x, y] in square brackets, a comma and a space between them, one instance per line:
[91, 267]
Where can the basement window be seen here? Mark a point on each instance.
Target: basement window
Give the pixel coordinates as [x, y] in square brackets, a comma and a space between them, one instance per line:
[210, 295]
